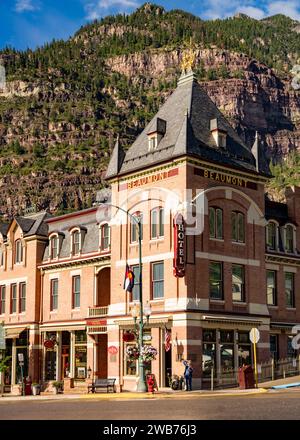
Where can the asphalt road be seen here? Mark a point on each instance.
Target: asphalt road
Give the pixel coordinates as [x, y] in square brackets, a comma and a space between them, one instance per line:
[277, 405]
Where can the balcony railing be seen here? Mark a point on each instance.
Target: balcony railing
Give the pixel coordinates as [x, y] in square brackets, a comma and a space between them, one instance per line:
[97, 312]
[97, 330]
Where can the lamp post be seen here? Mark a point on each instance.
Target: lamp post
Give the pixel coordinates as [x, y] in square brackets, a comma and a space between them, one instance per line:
[141, 386]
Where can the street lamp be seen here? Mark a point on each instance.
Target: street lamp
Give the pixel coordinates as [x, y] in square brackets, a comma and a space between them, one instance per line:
[141, 386]
[135, 312]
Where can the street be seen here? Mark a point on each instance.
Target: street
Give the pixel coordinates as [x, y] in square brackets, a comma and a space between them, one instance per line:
[274, 405]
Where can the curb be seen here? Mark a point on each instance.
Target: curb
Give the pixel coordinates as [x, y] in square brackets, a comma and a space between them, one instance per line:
[134, 396]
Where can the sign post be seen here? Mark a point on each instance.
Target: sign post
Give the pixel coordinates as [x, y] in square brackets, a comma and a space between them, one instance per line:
[254, 338]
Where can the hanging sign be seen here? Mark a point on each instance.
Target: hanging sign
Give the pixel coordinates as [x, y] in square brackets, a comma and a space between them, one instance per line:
[49, 344]
[179, 247]
[112, 350]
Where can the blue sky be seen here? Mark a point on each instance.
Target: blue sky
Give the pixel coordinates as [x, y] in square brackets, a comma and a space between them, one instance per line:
[31, 23]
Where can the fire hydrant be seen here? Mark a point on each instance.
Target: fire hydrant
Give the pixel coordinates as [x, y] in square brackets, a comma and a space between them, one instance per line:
[150, 383]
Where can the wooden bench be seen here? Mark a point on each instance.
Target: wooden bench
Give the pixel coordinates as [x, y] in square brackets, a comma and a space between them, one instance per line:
[109, 384]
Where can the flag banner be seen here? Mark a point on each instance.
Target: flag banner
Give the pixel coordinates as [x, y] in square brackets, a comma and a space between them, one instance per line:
[167, 340]
[129, 279]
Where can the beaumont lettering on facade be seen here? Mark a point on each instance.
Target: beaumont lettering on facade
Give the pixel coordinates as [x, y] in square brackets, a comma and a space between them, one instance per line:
[61, 277]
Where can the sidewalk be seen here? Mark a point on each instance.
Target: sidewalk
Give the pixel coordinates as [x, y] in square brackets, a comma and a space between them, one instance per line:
[164, 394]
[278, 382]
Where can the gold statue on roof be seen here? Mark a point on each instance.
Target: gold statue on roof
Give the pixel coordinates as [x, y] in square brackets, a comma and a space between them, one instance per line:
[188, 61]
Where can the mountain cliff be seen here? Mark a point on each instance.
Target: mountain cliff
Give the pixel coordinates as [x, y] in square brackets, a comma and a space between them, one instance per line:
[66, 102]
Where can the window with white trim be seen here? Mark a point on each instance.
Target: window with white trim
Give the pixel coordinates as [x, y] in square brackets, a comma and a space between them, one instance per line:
[18, 251]
[134, 228]
[215, 223]
[54, 243]
[105, 237]
[2, 299]
[271, 238]
[76, 242]
[289, 238]
[157, 223]
[238, 227]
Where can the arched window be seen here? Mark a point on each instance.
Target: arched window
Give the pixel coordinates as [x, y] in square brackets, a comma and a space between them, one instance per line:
[289, 238]
[54, 242]
[104, 237]
[18, 251]
[157, 223]
[238, 227]
[76, 242]
[271, 236]
[215, 223]
[134, 229]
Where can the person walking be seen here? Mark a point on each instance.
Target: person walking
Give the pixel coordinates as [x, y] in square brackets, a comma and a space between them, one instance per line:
[188, 375]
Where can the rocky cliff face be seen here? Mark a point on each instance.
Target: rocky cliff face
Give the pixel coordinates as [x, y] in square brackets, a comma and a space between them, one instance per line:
[259, 101]
[64, 104]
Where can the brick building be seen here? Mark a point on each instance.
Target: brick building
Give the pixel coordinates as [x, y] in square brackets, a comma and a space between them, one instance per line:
[238, 265]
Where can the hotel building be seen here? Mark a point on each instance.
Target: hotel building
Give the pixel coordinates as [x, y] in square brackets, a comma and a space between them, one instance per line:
[235, 269]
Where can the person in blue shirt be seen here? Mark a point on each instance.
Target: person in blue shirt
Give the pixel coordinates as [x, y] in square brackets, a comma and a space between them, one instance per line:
[188, 375]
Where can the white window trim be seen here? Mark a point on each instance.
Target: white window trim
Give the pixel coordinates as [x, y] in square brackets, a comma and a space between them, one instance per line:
[54, 234]
[276, 235]
[100, 236]
[72, 231]
[294, 238]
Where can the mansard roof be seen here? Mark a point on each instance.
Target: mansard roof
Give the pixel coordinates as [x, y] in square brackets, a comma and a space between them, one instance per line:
[188, 113]
[33, 224]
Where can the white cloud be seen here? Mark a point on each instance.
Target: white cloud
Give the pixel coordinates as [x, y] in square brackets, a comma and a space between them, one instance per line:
[25, 5]
[213, 9]
[289, 8]
[96, 9]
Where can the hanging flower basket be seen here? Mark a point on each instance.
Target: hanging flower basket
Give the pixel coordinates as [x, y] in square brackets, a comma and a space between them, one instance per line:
[132, 353]
[148, 353]
[128, 337]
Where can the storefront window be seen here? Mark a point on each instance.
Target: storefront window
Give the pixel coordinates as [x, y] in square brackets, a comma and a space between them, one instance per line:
[22, 348]
[209, 353]
[8, 352]
[80, 361]
[80, 355]
[291, 352]
[274, 346]
[244, 349]
[131, 367]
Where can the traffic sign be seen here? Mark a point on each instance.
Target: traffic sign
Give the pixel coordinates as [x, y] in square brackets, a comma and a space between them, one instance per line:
[254, 335]
[147, 337]
[20, 358]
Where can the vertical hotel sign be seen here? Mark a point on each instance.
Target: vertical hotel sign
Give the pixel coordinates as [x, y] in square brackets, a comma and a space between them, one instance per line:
[179, 246]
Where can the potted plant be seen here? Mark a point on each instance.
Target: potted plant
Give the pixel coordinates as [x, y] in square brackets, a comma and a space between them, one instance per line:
[36, 389]
[58, 386]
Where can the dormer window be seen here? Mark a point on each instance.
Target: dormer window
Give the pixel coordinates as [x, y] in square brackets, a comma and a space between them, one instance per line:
[104, 237]
[219, 134]
[271, 237]
[152, 142]
[289, 238]
[76, 242]
[18, 252]
[54, 247]
[156, 133]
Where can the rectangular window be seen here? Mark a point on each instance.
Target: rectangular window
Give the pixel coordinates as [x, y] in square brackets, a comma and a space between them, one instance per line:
[136, 287]
[1, 257]
[22, 305]
[216, 280]
[76, 243]
[157, 280]
[54, 295]
[271, 288]
[76, 291]
[289, 289]
[238, 283]
[105, 237]
[54, 247]
[2, 299]
[13, 298]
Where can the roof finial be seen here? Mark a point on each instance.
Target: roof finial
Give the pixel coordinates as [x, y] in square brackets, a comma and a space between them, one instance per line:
[188, 61]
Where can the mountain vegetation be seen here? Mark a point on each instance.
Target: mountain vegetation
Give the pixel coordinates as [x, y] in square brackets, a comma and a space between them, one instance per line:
[64, 104]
